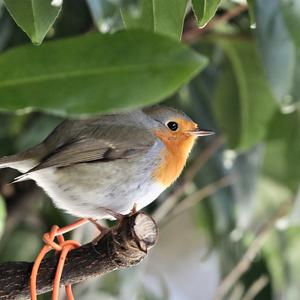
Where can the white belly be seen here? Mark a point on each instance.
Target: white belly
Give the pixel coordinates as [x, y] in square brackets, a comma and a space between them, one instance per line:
[86, 190]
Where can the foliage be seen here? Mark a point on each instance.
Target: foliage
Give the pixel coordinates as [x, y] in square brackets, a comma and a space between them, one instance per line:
[89, 85]
[241, 81]
[35, 17]
[205, 10]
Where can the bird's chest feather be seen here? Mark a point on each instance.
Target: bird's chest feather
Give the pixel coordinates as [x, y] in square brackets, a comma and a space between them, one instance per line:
[173, 159]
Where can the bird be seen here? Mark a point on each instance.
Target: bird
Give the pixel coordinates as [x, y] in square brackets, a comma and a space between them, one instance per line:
[113, 162]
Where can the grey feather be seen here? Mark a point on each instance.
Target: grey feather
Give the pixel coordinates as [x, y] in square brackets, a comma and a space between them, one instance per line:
[104, 138]
[93, 142]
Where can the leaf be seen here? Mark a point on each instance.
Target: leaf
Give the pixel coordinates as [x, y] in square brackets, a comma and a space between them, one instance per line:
[204, 10]
[272, 251]
[96, 72]
[281, 250]
[35, 17]
[245, 187]
[244, 103]
[278, 37]
[282, 158]
[251, 13]
[141, 17]
[164, 17]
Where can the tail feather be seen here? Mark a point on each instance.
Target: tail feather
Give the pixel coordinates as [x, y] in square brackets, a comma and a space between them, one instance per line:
[20, 178]
[24, 161]
[17, 162]
[7, 161]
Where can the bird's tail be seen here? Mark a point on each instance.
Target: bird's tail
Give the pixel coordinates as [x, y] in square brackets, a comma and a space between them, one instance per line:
[9, 161]
[21, 162]
[24, 161]
[18, 163]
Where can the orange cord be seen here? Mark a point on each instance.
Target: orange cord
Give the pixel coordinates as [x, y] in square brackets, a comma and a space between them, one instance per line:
[63, 247]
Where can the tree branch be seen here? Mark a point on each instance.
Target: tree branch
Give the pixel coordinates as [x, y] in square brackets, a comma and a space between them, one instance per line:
[123, 246]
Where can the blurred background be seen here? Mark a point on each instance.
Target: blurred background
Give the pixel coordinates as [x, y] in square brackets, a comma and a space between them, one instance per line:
[229, 227]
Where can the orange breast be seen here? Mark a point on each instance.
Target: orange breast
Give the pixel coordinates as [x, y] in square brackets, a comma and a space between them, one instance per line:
[174, 157]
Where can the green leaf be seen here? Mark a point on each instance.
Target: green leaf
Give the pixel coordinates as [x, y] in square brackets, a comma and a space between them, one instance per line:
[35, 17]
[244, 103]
[165, 17]
[251, 13]
[2, 215]
[278, 37]
[96, 72]
[204, 10]
[282, 158]
[281, 250]
[272, 251]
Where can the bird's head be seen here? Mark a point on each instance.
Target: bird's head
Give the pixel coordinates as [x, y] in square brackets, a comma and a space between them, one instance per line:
[178, 132]
[174, 125]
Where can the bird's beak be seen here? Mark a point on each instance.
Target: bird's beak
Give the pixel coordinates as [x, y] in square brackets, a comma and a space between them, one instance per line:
[202, 132]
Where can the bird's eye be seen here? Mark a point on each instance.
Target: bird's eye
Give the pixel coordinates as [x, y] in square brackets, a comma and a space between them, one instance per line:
[172, 125]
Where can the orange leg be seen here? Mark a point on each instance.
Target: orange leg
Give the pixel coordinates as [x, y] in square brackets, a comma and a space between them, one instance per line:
[62, 246]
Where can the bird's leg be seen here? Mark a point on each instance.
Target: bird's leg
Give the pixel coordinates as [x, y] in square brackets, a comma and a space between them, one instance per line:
[102, 229]
[61, 246]
[119, 217]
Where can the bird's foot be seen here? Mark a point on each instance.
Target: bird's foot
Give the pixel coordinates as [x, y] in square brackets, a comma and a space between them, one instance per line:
[119, 217]
[61, 246]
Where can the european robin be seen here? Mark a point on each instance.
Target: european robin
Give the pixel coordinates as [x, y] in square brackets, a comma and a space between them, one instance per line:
[112, 162]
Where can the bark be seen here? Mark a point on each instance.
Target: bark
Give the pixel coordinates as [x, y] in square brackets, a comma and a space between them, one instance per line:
[121, 247]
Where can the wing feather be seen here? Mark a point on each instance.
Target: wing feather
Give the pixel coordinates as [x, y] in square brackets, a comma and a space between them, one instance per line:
[100, 143]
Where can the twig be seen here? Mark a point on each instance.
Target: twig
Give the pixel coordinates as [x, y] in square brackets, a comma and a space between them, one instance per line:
[244, 264]
[172, 200]
[195, 32]
[256, 287]
[230, 14]
[123, 246]
[199, 195]
[237, 292]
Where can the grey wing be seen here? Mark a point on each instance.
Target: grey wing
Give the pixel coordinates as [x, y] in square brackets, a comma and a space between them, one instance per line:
[96, 143]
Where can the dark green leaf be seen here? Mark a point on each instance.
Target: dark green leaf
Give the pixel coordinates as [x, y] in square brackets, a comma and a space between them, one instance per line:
[282, 157]
[164, 17]
[96, 72]
[204, 10]
[244, 103]
[35, 17]
[278, 36]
